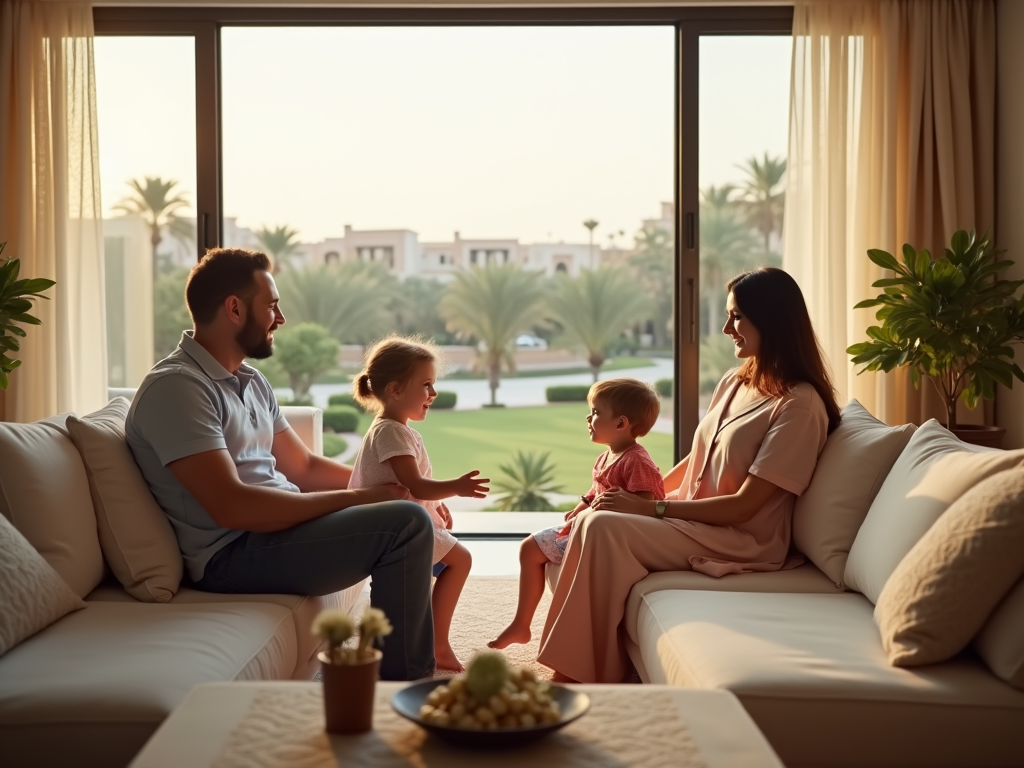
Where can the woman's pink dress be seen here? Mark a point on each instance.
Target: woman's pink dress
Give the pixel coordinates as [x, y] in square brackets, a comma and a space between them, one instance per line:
[776, 439]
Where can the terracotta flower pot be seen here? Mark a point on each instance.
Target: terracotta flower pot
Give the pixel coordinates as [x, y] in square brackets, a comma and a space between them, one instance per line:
[348, 693]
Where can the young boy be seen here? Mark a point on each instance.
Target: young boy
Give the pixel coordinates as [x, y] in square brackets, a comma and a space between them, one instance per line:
[621, 410]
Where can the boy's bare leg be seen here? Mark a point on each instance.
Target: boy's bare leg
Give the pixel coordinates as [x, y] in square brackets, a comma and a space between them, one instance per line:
[531, 590]
[447, 588]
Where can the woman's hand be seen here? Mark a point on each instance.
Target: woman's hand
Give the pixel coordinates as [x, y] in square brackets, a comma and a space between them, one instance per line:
[618, 500]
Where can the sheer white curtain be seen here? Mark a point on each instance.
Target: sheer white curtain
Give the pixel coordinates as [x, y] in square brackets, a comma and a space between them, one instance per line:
[50, 212]
[892, 130]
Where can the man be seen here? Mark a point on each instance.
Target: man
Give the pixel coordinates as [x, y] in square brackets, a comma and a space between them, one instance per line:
[252, 508]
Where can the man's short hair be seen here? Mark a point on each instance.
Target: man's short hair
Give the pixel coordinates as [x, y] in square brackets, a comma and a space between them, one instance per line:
[637, 400]
[222, 272]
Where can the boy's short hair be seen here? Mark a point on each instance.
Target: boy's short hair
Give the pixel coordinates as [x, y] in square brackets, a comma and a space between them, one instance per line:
[637, 400]
[222, 272]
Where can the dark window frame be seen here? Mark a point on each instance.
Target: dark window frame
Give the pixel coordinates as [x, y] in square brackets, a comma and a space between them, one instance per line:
[691, 23]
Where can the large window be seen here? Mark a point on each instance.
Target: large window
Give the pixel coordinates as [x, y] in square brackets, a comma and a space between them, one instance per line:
[384, 158]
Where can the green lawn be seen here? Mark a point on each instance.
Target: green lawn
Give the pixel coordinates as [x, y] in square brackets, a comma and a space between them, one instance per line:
[459, 441]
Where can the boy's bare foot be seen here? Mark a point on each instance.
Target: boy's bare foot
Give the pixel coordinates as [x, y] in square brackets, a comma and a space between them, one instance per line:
[510, 636]
[445, 658]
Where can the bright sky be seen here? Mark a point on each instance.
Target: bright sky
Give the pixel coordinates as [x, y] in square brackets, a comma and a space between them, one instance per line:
[494, 132]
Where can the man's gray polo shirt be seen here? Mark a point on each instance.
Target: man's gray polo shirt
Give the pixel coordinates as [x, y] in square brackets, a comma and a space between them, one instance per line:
[188, 404]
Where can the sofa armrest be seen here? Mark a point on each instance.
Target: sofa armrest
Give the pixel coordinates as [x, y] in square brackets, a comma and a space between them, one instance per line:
[308, 423]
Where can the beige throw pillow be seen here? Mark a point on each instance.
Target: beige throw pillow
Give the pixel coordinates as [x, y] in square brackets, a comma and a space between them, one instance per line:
[137, 539]
[44, 492]
[934, 470]
[32, 594]
[1001, 641]
[943, 590]
[852, 467]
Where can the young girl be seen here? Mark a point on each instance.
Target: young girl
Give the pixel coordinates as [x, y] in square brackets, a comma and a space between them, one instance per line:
[398, 385]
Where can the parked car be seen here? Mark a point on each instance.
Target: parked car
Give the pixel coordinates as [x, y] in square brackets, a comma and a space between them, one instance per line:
[529, 341]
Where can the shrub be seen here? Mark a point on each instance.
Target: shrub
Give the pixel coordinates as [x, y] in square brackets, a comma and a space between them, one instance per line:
[301, 401]
[568, 393]
[333, 445]
[341, 418]
[345, 398]
[445, 400]
[664, 387]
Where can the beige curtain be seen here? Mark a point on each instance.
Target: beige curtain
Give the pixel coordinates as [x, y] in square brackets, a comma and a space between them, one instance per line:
[50, 212]
[892, 131]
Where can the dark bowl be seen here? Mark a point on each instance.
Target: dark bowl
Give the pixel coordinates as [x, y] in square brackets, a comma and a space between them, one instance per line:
[407, 703]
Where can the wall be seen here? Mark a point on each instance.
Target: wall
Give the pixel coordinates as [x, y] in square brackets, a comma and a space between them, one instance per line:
[1010, 183]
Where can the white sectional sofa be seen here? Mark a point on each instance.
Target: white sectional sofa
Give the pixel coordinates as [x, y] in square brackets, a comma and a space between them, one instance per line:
[91, 688]
[802, 650]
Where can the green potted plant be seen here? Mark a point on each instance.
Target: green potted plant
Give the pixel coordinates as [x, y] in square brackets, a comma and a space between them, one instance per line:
[349, 674]
[951, 319]
[16, 297]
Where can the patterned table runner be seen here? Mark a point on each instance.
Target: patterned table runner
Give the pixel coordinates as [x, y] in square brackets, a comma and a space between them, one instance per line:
[285, 728]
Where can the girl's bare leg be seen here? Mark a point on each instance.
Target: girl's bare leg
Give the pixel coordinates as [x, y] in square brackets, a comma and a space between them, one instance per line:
[447, 588]
[531, 590]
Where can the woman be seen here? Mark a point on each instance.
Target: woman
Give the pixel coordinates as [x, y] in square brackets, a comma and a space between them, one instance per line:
[729, 503]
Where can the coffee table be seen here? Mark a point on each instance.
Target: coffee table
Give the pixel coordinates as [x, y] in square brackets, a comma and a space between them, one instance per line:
[710, 729]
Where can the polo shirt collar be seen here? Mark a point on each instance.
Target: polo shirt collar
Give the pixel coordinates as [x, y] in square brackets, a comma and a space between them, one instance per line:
[206, 361]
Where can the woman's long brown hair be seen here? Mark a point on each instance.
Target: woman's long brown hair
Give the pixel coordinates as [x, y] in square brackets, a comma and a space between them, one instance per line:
[790, 352]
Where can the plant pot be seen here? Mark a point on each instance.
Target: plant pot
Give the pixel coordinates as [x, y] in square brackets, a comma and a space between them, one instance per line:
[979, 434]
[348, 693]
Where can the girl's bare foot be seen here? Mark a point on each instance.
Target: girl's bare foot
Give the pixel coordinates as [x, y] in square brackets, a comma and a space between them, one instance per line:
[512, 634]
[445, 658]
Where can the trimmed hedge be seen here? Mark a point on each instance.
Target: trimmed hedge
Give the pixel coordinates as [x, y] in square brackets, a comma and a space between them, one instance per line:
[341, 418]
[333, 445]
[445, 400]
[664, 387]
[568, 393]
[345, 398]
[286, 401]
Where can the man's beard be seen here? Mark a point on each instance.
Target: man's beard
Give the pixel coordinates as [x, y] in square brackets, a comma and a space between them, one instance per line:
[254, 341]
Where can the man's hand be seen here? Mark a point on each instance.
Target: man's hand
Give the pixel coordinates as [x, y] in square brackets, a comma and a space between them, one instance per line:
[472, 486]
[446, 516]
[379, 493]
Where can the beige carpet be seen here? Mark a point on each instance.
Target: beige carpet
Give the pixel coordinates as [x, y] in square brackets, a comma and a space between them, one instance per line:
[486, 606]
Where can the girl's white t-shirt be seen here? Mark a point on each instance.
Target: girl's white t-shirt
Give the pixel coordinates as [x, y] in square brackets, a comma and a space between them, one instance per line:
[385, 439]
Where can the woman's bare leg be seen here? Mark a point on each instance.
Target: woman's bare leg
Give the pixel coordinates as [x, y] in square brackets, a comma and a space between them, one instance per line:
[531, 590]
[447, 588]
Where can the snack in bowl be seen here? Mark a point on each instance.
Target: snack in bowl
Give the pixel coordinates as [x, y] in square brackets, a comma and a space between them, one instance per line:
[489, 695]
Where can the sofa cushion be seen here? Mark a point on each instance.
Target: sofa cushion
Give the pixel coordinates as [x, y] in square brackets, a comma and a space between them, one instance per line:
[853, 465]
[44, 491]
[934, 470]
[1000, 643]
[92, 688]
[943, 590]
[32, 595]
[803, 578]
[303, 609]
[135, 535]
[811, 671]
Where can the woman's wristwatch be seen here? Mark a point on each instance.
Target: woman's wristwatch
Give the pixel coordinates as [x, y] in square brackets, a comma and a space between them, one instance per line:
[659, 509]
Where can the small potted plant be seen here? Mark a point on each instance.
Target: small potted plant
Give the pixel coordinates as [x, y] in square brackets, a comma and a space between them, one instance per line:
[16, 297]
[350, 673]
[951, 319]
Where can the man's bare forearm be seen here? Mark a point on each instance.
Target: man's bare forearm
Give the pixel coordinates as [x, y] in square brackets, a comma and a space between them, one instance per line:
[323, 474]
[265, 510]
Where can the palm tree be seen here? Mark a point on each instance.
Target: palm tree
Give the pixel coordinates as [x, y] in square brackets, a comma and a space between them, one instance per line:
[279, 242]
[595, 308]
[350, 300]
[652, 261]
[763, 196]
[494, 304]
[159, 204]
[591, 225]
[726, 246]
[530, 477]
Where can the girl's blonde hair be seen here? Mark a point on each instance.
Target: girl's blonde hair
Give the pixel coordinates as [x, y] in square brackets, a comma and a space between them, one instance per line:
[390, 361]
